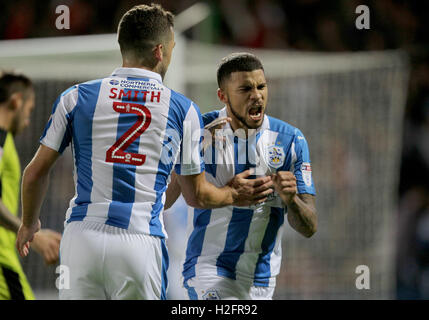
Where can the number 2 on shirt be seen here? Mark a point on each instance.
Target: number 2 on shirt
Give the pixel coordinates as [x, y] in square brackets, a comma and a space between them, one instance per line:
[117, 153]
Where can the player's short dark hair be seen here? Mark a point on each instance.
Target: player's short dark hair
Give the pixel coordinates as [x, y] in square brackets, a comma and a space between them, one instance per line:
[237, 62]
[11, 82]
[142, 28]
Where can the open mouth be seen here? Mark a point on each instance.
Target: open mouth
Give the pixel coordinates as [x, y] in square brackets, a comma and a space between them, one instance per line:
[255, 113]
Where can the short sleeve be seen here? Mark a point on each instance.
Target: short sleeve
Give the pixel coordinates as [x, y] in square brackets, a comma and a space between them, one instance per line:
[57, 134]
[302, 165]
[191, 157]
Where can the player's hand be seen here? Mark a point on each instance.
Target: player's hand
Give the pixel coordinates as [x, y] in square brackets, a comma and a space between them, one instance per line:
[24, 236]
[47, 243]
[210, 136]
[247, 192]
[285, 185]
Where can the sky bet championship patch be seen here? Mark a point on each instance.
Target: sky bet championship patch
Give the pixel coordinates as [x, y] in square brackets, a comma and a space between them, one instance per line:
[306, 173]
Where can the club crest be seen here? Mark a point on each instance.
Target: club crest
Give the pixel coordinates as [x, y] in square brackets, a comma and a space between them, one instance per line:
[276, 156]
[211, 294]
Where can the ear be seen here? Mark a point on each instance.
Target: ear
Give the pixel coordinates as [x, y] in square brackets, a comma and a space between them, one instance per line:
[222, 96]
[158, 52]
[16, 100]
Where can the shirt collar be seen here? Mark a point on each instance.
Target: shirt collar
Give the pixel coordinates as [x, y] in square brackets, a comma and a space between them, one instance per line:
[137, 73]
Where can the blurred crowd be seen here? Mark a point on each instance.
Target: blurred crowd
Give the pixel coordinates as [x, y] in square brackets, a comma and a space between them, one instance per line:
[312, 25]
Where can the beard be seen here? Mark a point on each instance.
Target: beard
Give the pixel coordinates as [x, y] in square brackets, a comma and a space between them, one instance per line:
[241, 119]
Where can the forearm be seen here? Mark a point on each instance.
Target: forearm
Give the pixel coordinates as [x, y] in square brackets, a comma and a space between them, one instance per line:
[199, 193]
[7, 219]
[302, 216]
[34, 187]
[173, 192]
[210, 197]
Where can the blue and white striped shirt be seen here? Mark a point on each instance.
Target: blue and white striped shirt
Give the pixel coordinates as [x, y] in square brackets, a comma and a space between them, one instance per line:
[245, 242]
[127, 133]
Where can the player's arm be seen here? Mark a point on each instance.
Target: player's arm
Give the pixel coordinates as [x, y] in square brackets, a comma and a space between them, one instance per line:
[35, 182]
[173, 191]
[302, 215]
[46, 242]
[7, 219]
[240, 191]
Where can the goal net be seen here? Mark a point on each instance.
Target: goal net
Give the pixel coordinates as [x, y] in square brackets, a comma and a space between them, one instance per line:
[348, 105]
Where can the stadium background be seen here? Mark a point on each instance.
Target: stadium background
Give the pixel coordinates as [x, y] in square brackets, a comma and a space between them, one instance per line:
[360, 96]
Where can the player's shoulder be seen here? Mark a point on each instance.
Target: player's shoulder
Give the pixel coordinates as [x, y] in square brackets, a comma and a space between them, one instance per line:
[283, 127]
[179, 98]
[91, 85]
[181, 103]
[209, 117]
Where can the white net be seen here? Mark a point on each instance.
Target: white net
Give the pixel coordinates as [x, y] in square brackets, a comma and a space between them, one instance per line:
[349, 106]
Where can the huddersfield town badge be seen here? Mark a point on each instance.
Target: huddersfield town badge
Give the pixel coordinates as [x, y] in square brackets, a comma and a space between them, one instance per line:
[211, 294]
[276, 156]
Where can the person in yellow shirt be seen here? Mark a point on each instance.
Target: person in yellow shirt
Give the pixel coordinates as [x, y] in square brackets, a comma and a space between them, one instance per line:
[17, 99]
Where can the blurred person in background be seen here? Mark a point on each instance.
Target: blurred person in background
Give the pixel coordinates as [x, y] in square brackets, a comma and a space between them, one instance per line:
[17, 99]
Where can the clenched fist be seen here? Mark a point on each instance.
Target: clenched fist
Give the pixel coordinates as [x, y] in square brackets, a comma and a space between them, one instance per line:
[285, 185]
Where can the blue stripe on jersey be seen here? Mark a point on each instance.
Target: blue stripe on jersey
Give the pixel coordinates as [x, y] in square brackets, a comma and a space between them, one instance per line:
[124, 176]
[262, 270]
[211, 167]
[82, 142]
[240, 158]
[210, 116]
[68, 132]
[242, 150]
[195, 242]
[138, 79]
[238, 230]
[164, 268]
[191, 291]
[278, 125]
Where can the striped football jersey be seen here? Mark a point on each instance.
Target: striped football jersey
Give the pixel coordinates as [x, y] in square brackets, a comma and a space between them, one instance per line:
[244, 243]
[127, 133]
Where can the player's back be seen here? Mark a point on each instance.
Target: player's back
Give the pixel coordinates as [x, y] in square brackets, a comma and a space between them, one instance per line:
[118, 127]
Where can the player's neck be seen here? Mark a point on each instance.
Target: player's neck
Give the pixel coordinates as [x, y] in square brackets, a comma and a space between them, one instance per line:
[133, 65]
[5, 118]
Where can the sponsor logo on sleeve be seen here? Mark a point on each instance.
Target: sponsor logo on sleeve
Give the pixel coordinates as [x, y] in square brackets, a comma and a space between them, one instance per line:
[306, 173]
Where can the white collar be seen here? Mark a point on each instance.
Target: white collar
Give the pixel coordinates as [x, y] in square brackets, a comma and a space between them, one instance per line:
[137, 72]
